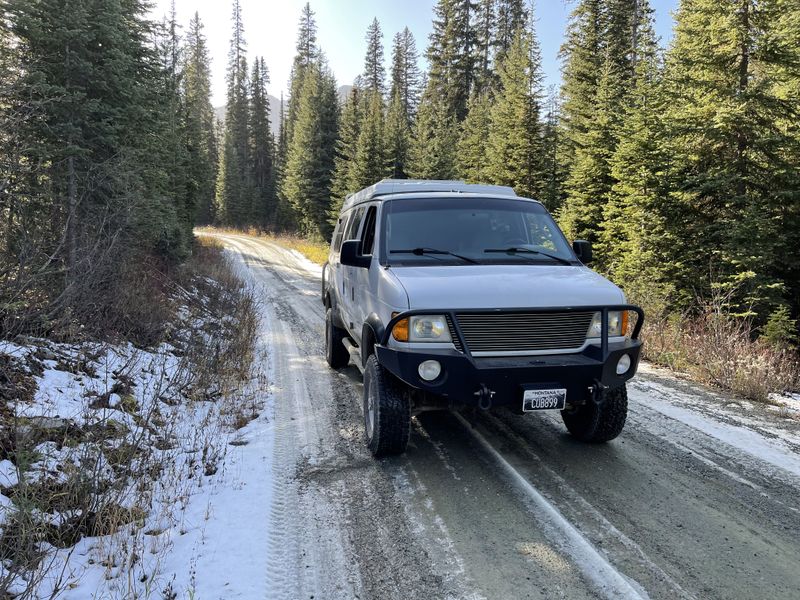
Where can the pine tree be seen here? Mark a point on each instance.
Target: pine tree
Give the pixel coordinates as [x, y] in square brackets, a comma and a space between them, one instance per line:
[370, 166]
[94, 147]
[620, 30]
[734, 131]
[306, 55]
[173, 137]
[234, 183]
[200, 135]
[310, 159]
[582, 58]
[374, 71]
[451, 58]
[472, 143]
[553, 166]
[346, 146]
[405, 73]
[512, 15]
[398, 137]
[432, 154]
[514, 148]
[643, 238]
[485, 28]
[285, 216]
[262, 147]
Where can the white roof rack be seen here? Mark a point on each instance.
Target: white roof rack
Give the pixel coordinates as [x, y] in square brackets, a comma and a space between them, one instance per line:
[411, 186]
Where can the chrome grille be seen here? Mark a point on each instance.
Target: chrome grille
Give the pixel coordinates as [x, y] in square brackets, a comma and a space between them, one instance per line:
[499, 332]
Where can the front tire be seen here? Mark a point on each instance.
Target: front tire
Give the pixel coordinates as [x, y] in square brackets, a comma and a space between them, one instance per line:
[387, 411]
[335, 352]
[599, 422]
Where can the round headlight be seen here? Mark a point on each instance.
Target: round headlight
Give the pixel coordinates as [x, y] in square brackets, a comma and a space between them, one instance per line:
[429, 370]
[624, 364]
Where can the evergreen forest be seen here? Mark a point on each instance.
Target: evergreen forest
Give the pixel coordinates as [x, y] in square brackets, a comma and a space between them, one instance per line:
[680, 163]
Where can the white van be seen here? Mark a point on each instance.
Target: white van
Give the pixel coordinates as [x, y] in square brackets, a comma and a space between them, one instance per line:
[447, 294]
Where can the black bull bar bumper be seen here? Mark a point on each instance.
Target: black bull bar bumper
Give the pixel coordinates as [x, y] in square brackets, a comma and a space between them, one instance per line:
[498, 381]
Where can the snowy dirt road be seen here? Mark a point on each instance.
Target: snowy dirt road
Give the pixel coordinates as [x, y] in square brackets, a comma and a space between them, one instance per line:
[699, 497]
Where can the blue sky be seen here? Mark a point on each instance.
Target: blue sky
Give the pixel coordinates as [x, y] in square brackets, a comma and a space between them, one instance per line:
[271, 26]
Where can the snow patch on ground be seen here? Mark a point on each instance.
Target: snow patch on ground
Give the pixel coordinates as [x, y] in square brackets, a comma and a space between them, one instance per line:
[752, 429]
[198, 527]
[305, 264]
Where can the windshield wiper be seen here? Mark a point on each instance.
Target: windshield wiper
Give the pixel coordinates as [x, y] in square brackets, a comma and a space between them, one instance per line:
[518, 250]
[423, 251]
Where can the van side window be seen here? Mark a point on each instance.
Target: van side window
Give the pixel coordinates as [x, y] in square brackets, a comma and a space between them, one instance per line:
[338, 235]
[352, 227]
[368, 235]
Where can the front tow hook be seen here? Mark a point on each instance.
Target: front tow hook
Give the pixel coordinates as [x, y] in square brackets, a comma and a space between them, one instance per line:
[596, 392]
[485, 396]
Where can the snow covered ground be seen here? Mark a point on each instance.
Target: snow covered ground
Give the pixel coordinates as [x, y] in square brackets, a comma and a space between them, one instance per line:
[166, 468]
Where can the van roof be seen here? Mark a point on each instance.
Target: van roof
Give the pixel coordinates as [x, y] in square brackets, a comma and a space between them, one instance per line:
[393, 187]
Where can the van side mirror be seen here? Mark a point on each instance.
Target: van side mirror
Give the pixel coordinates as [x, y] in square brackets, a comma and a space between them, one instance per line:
[583, 250]
[350, 256]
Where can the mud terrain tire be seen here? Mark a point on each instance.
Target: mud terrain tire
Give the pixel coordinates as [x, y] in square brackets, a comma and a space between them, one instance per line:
[335, 352]
[601, 422]
[387, 411]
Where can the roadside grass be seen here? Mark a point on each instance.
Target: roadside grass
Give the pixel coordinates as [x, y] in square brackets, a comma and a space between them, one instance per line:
[146, 425]
[713, 347]
[314, 250]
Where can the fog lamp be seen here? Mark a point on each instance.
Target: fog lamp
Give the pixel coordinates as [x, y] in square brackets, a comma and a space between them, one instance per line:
[430, 370]
[624, 364]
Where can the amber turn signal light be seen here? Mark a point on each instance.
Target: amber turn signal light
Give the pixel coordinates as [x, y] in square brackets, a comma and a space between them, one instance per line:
[400, 329]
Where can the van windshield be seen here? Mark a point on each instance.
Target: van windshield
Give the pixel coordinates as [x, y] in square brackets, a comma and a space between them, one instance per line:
[471, 230]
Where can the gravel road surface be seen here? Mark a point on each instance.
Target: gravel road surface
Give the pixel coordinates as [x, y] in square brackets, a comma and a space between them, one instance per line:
[698, 498]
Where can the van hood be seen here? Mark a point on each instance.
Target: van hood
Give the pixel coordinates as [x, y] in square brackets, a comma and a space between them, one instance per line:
[505, 286]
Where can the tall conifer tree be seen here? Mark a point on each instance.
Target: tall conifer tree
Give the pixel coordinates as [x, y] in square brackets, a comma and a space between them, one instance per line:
[262, 147]
[514, 148]
[346, 147]
[374, 78]
[432, 154]
[370, 163]
[451, 58]
[472, 143]
[311, 152]
[728, 114]
[398, 138]
[405, 72]
[234, 184]
[200, 135]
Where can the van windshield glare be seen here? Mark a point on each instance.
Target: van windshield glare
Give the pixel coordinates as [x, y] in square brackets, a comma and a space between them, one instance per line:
[466, 228]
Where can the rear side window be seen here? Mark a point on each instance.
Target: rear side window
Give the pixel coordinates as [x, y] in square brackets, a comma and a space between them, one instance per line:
[368, 236]
[338, 235]
[351, 233]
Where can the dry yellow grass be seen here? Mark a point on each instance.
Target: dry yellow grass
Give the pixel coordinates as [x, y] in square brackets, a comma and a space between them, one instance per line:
[313, 250]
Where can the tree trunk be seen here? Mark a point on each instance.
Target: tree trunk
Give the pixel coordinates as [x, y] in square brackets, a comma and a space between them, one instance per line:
[744, 69]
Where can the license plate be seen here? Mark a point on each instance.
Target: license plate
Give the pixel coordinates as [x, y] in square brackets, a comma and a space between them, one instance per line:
[547, 399]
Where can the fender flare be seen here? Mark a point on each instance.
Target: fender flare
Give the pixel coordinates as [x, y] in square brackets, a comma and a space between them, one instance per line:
[374, 327]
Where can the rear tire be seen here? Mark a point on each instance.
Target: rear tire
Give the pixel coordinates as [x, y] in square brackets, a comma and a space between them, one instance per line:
[335, 352]
[601, 422]
[387, 411]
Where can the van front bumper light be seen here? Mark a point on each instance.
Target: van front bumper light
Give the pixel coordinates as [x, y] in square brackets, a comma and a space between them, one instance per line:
[422, 328]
